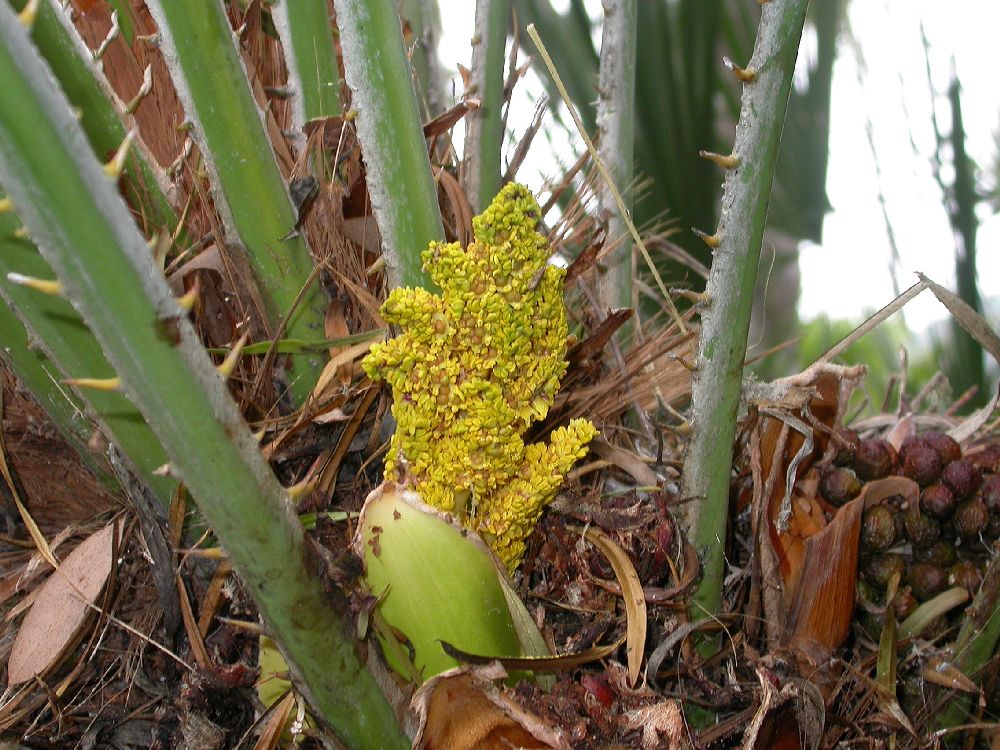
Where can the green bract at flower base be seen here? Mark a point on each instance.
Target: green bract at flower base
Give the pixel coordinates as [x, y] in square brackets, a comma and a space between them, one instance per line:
[435, 582]
[473, 368]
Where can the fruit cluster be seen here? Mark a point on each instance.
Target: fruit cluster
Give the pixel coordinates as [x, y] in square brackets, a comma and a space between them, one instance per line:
[473, 367]
[945, 540]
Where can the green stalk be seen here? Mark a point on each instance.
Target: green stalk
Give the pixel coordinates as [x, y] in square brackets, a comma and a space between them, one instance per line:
[307, 38]
[80, 77]
[249, 191]
[725, 317]
[87, 234]
[484, 130]
[977, 640]
[53, 324]
[615, 113]
[400, 183]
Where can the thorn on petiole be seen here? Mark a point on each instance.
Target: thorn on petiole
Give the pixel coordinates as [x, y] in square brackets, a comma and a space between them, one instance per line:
[725, 161]
[745, 75]
[712, 240]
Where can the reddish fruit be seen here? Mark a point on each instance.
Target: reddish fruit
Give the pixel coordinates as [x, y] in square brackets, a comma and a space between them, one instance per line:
[962, 477]
[904, 602]
[945, 445]
[920, 462]
[875, 458]
[989, 492]
[987, 459]
[938, 501]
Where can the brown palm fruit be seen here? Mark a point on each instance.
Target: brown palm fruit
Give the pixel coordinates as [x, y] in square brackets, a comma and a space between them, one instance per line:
[838, 484]
[971, 518]
[904, 602]
[989, 491]
[992, 530]
[945, 445]
[847, 447]
[962, 477]
[942, 553]
[879, 569]
[919, 461]
[965, 574]
[878, 528]
[926, 579]
[875, 458]
[922, 530]
[938, 501]
[987, 459]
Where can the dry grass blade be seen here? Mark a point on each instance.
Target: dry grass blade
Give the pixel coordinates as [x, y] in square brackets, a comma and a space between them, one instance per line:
[874, 321]
[556, 663]
[635, 600]
[968, 318]
[270, 737]
[36, 534]
[886, 664]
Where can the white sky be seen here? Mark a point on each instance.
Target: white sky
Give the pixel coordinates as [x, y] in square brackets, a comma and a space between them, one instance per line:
[855, 253]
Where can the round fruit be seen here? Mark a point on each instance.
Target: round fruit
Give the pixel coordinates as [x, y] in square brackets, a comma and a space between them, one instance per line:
[837, 485]
[875, 458]
[878, 528]
[938, 501]
[945, 445]
[966, 575]
[922, 530]
[926, 579]
[990, 493]
[878, 569]
[920, 462]
[942, 553]
[987, 459]
[962, 477]
[971, 518]
[904, 602]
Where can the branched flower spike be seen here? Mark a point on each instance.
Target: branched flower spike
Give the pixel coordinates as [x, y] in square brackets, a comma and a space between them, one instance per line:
[473, 368]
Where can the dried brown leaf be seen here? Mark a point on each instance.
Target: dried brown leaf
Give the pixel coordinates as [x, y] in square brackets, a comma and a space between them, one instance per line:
[60, 610]
[632, 595]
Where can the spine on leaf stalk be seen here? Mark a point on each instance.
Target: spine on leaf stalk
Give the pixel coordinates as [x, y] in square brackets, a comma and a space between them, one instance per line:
[717, 379]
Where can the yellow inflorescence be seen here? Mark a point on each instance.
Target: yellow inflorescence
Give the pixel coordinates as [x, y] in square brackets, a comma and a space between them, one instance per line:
[473, 368]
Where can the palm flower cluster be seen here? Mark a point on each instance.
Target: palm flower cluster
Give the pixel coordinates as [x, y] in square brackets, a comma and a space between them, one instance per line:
[472, 369]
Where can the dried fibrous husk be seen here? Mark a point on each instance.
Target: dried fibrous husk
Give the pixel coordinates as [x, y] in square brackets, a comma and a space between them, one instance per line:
[808, 566]
[463, 709]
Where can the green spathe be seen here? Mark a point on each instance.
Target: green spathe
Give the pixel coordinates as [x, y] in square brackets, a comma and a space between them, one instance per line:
[437, 581]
